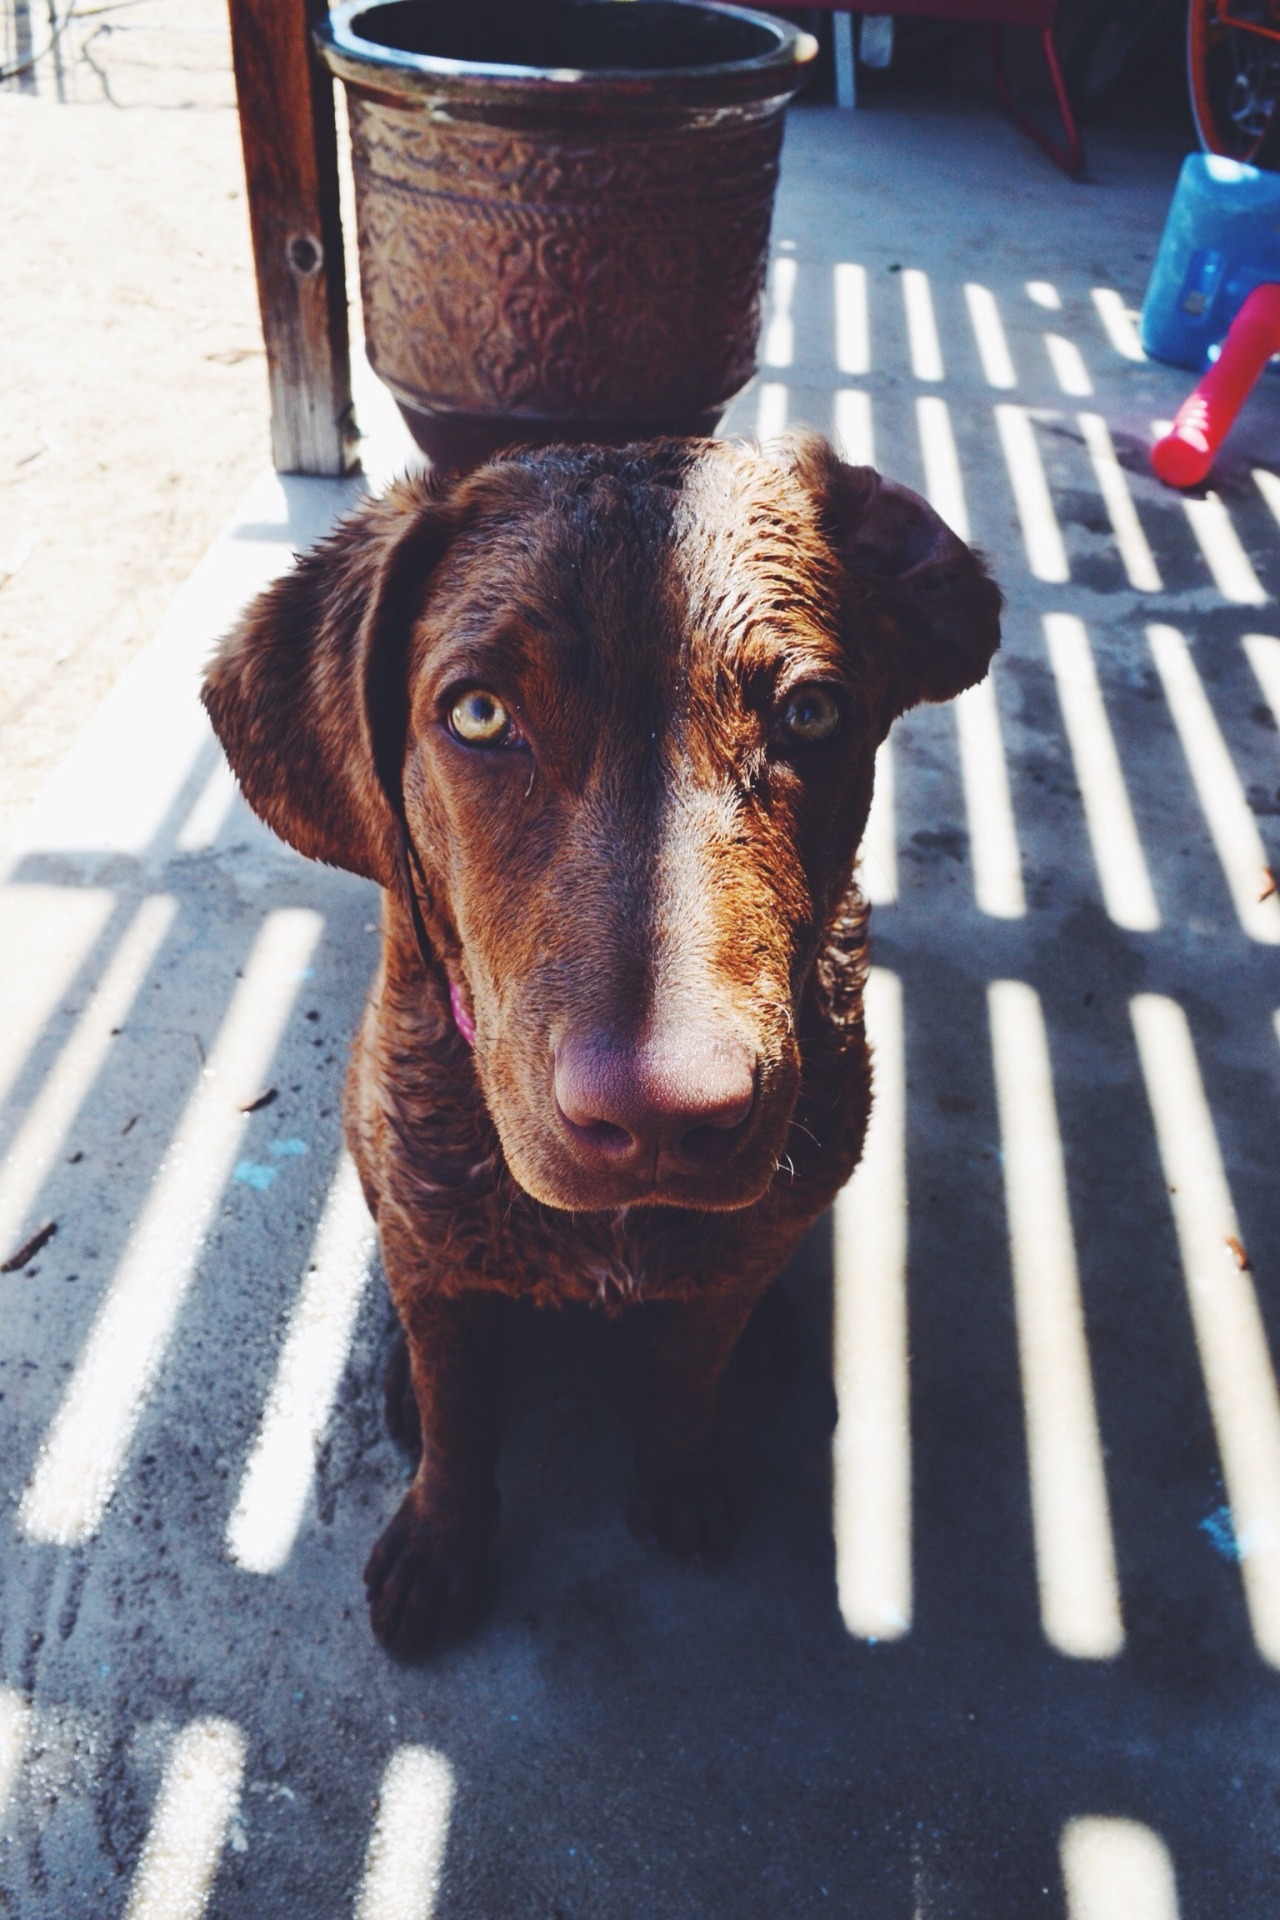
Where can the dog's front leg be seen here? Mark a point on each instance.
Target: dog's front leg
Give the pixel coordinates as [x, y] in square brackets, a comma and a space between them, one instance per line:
[426, 1576]
[682, 1494]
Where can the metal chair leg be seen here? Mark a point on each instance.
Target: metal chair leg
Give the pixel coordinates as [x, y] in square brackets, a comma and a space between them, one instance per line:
[1068, 154]
[846, 63]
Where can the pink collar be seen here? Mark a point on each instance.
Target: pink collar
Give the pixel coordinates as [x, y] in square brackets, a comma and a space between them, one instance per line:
[461, 1018]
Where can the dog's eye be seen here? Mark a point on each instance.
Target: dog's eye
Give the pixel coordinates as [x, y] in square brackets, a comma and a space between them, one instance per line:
[480, 720]
[810, 715]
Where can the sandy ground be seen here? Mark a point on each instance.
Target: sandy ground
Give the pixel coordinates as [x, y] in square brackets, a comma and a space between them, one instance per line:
[135, 403]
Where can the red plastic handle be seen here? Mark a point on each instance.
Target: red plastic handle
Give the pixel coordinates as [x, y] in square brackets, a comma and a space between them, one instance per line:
[1184, 457]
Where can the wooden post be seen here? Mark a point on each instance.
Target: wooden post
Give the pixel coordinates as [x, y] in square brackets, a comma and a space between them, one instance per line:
[291, 166]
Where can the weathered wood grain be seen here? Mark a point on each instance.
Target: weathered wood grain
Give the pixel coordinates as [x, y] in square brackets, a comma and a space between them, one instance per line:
[291, 165]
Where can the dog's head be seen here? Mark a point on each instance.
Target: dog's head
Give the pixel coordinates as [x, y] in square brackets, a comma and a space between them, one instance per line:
[608, 719]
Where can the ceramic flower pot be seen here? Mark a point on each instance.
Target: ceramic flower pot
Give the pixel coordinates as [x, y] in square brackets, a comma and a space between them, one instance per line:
[563, 209]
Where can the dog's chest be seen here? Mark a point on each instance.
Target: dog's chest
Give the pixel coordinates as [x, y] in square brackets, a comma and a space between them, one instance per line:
[451, 1214]
[490, 1234]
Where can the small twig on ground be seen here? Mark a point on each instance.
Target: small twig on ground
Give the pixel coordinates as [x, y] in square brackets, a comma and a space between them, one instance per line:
[29, 1248]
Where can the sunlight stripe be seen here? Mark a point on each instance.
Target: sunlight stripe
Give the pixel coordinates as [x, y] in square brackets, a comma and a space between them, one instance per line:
[771, 410]
[206, 819]
[1118, 323]
[878, 855]
[988, 331]
[1230, 565]
[198, 1798]
[1229, 1330]
[853, 330]
[1045, 294]
[1046, 555]
[76, 1472]
[1075, 1554]
[43, 1135]
[1139, 561]
[1068, 366]
[871, 1450]
[852, 426]
[780, 334]
[46, 936]
[1268, 485]
[922, 328]
[942, 480]
[1262, 651]
[1232, 827]
[15, 1730]
[1225, 557]
[405, 1861]
[984, 774]
[1116, 1870]
[269, 1511]
[1113, 834]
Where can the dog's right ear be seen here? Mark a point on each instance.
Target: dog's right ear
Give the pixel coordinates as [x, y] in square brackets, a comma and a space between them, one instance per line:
[923, 600]
[308, 694]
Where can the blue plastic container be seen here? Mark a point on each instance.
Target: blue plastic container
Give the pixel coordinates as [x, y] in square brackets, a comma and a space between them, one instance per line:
[1221, 240]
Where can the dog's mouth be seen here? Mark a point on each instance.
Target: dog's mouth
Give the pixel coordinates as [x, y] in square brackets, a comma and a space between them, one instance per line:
[570, 1186]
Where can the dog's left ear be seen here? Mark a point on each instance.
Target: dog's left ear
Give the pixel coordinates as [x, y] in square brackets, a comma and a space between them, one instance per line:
[917, 601]
[308, 693]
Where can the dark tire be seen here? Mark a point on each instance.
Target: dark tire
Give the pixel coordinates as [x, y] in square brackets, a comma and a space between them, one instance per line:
[1101, 54]
[1234, 79]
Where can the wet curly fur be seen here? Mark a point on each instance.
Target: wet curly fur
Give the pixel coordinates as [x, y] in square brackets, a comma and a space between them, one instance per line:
[641, 896]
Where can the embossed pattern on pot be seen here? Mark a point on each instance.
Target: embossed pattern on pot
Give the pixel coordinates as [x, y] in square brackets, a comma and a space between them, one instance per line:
[502, 272]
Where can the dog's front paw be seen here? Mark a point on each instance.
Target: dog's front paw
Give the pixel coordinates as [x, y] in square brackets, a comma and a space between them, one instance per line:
[427, 1579]
[686, 1505]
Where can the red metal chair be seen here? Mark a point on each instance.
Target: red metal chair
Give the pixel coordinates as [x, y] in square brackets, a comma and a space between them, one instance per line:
[998, 15]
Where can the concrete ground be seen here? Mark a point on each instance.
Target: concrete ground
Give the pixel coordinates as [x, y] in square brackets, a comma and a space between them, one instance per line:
[135, 391]
[1031, 1669]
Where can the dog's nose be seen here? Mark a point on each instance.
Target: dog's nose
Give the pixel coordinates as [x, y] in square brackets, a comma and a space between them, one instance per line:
[681, 1107]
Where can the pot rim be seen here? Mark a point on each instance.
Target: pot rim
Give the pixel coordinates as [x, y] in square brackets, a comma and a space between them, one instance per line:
[777, 72]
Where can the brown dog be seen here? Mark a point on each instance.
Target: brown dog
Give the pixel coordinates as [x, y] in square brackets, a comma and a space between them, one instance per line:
[602, 724]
